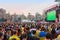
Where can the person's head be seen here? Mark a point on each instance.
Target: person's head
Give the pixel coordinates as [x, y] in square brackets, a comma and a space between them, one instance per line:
[19, 32]
[53, 31]
[24, 35]
[53, 25]
[39, 27]
[48, 36]
[1, 35]
[26, 25]
[33, 32]
[0, 29]
[9, 32]
[23, 25]
[14, 39]
[16, 25]
[32, 26]
[42, 29]
[14, 32]
[58, 28]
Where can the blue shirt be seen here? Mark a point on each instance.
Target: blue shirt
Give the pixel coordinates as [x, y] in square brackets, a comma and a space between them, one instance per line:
[42, 34]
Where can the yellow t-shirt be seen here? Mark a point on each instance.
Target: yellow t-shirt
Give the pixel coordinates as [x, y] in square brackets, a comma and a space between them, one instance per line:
[58, 37]
[37, 33]
[49, 28]
[14, 37]
[22, 30]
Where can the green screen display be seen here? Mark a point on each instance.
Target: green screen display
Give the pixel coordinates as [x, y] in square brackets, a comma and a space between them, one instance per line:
[51, 15]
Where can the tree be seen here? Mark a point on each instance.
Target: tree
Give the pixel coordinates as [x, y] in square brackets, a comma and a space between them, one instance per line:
[30, 17]
[38, 16]
[23, 16]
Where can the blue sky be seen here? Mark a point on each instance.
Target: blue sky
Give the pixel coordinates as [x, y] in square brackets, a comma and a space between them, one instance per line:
[25, 6]
[25, 1]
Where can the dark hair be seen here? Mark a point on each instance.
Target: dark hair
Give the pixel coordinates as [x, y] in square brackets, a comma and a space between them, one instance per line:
[53, 25]
[53, 31]
[0, 29]
[33, 31]
[58, 28]
[38, 27]
[0, 26]
[23, 25]
[1, 34]
[32, 26]
[19, 30]
[43, 29]
[14, 32]
[14, 39]
[24, 35]
[48, 36]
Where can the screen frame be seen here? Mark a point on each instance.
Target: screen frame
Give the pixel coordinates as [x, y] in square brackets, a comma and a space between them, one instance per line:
[46, 15]
[50, 14]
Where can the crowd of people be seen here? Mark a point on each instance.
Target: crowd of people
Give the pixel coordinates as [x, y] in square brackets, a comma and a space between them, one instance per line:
[16, 31]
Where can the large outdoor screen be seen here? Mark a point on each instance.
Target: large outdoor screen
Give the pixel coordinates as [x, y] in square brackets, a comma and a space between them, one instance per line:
[51, 15]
